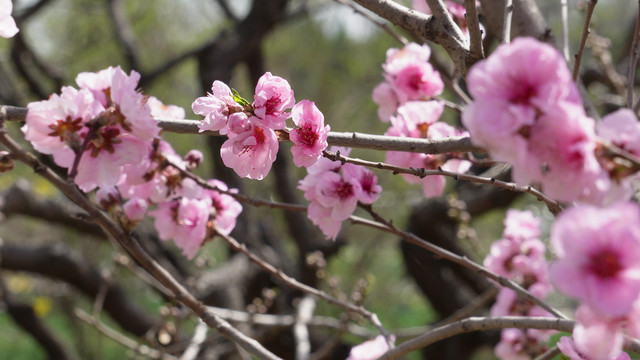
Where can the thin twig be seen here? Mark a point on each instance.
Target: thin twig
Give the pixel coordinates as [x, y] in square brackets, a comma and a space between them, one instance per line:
[401, 39]
[384, 225]
[473, 26]
[351, 139]
[549, 354]
[554, 206]
[477, 324]
[304, 313]
[564, 18]
[506, 22]
[199, 336]
[122, 339]
[634, 61]
[585, 33]
[295, 284]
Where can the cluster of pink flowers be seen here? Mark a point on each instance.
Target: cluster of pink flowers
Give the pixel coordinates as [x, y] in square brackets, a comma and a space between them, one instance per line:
[106, 132]
[598, 263]
[520, 256]
[334, 190]
[408, 77]
[527, 111]
[8, 26]
[404, 100]
[252, 142]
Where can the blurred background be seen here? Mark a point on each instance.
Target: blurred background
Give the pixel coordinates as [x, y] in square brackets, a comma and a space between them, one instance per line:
[52, 264]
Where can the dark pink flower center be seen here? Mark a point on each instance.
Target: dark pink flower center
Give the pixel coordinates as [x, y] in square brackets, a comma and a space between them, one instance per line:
[65, 129]
[522, 93]
[367, 182]
[104, 140]
[272, 104]
[416, 81]
[343, 189]
[307, 136]
[605, 264]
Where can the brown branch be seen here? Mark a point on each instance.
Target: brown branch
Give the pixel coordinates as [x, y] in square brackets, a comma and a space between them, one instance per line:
[477, 324]
[120, 338]
[506, 22]
[58, 262]
[554, 206]
[473, 26]
[351, 139]
[295, 284]
[583, 41]
[634, 61]
[134, 249]
[387, 226]
[438, 28]
[383, 25]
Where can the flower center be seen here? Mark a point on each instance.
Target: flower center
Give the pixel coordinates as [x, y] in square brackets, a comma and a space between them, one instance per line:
[605, 264]
[344, 189]
[307, 136]
[66, 129]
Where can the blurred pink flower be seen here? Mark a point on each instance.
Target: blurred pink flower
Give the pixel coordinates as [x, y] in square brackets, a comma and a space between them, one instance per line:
[370, 350]
[310, 136]
[226, 208]
[8, 26]
[135, 209]
[561, 154]
[184, 221]
[273, 96]
[598, 252]
[387, 101]
[252, 152]
[216, 108]
[159, 110]
[368, 182]
[511, 89]
[569, 349]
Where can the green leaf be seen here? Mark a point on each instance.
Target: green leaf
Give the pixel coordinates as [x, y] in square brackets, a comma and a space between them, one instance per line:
[239, 99]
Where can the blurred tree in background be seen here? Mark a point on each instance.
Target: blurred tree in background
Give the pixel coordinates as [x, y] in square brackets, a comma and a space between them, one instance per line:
[57, 272]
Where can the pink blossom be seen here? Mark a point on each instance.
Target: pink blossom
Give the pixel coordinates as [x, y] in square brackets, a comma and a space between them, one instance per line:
[568, 348]
[598, 254]
[456, 10]
[251, 152]
[135, 209]
[370, 190]
[101, 164]
[561, 153]
[387, 101]
[184, 221]
[338, 193]
[511, 88]
[217, 107]
[518, 344]
[159, 110]
[521, 225]
[370, 350]
[415, 81]
[152, 180]
[226, 208]
[622, 129]
[108, 197]
[334, 190]
[115, 89]
[193, 159]
[432, 185]
[8, 26]
[597, 336]
[58, 124]
[273, 96]
[310, 136]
